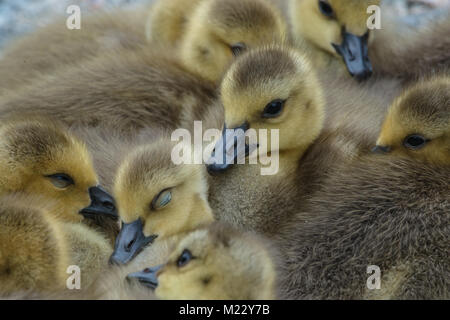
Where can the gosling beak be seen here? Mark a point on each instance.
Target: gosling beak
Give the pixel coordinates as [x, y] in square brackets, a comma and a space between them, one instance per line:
[147, 277]
[101, 204]
[130, 242]
[381, 149]
[355, 51]
[231, 147]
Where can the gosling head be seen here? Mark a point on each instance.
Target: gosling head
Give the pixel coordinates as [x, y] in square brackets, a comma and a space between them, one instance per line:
[157, 199]
[219, 30]
[338, 27]
[40, 157]
[215, 262]
[418, 123]
[270, 88]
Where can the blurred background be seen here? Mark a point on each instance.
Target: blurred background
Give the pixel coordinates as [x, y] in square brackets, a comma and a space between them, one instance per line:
[21, 16]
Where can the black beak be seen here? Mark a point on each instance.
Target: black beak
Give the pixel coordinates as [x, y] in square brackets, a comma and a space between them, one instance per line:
[147, 277]
[231, 147]
[381, 149]
[130, 242]
[101, 204]
[355, 51]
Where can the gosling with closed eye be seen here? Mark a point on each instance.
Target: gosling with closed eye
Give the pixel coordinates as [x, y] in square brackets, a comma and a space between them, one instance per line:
[157, 199]
[215, 262]
[418, 123]
[40, 157]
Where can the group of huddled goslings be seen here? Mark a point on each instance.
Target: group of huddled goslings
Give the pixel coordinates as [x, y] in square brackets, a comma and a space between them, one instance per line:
[358, 120]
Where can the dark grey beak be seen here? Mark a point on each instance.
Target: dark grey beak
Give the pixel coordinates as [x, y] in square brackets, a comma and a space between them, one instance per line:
[355, 51]
[130, 242]
[147, 277]
[101, 204]
[230, 149]
[381, 149]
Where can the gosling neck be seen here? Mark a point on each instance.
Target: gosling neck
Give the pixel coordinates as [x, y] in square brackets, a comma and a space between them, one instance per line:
[288, 159]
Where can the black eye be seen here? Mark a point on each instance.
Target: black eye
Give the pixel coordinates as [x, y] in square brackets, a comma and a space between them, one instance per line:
[162, 199]
[61, 180]
[273, 109]
[238, 48]
[184, 258]
[415, 141]
[325, 8]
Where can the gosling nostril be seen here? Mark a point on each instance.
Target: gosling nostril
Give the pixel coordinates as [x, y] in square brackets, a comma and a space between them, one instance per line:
[147, 270]
[129, 245]
[108, 205]
[351, 56]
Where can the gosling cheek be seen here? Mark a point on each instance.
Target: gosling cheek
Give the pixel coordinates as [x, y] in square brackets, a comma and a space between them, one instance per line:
[84, 201]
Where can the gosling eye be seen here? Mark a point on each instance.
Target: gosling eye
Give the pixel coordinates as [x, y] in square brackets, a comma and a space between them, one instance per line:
[325, 8]
[273, 109]
[60, 180]
[162, 199]
[184, 258]
[415, 141]
[238, 48]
